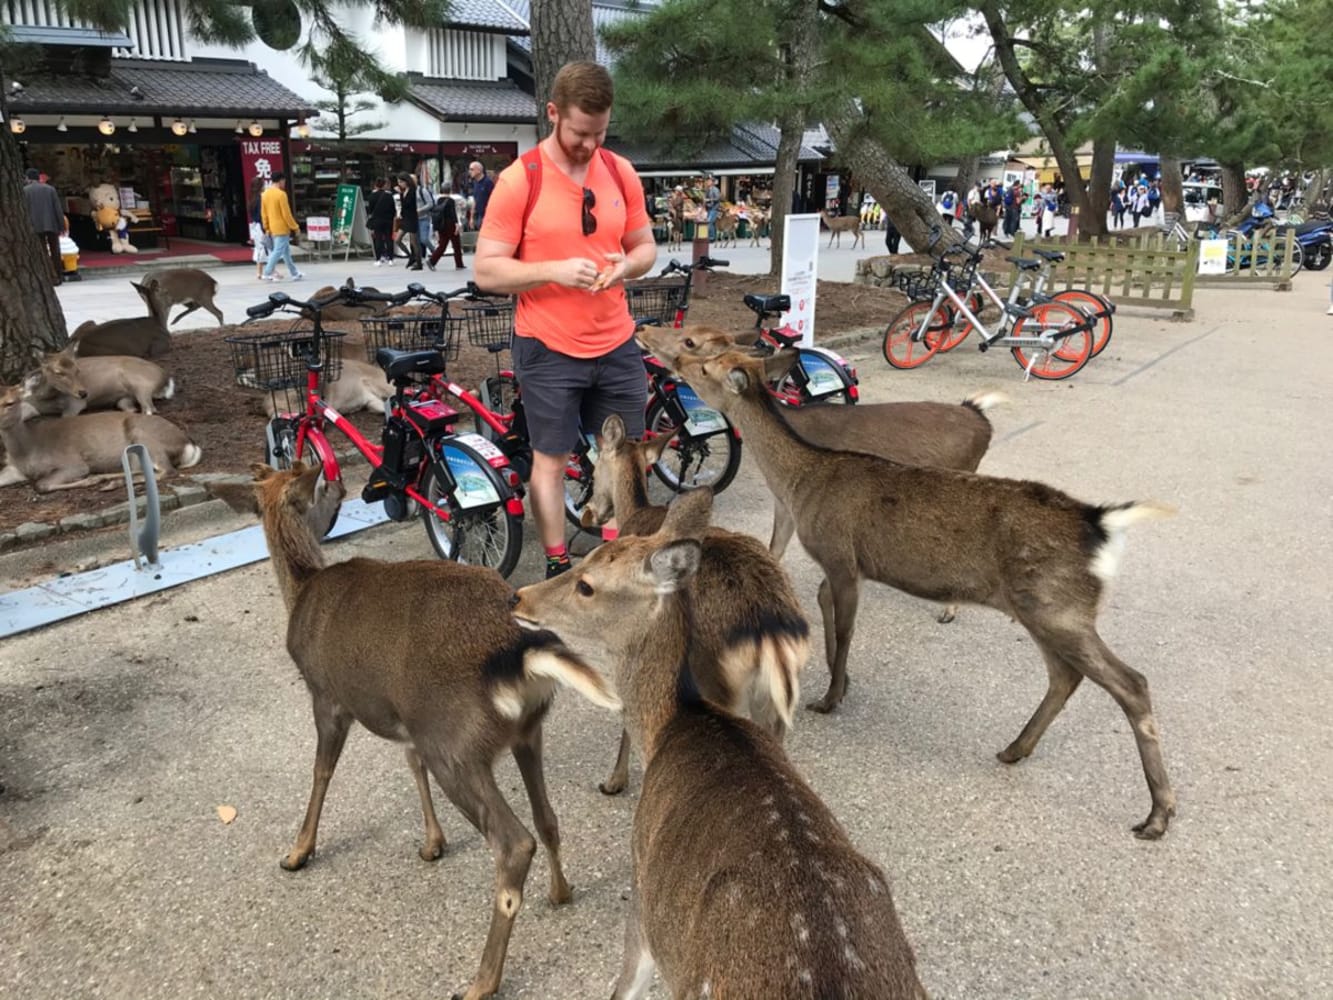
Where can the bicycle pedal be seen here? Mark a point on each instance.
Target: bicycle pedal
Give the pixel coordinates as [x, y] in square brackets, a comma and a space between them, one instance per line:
[376, 489]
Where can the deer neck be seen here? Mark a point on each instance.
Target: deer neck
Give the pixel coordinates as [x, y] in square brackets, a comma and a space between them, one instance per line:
[295, 556]
[783, 455]
[653, 675]
[630, 493]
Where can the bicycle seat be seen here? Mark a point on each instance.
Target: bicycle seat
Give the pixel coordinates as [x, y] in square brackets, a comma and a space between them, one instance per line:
[1025, 263]
[1054, 256]
[397, 364]
[765, 304]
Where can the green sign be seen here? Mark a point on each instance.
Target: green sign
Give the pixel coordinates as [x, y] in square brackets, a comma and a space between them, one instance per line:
[344, 211]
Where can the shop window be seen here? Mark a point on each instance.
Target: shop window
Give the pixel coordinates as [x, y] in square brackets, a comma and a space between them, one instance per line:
[278, 25]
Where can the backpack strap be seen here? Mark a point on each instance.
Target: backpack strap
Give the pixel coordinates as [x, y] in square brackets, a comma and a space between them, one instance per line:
[532, 169]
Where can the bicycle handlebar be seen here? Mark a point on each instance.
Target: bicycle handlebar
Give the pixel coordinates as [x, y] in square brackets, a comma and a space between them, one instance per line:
[702, 264]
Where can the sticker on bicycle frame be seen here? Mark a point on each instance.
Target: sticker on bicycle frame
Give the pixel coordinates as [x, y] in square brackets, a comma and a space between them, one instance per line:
[700, 419]
[482, 447]
[475, 488]
[332, 415]
[823, 379]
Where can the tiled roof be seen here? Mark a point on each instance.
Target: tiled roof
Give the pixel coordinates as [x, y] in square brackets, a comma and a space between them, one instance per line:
[223, 87]
[749, 145]
[472, 100]
[488, 15]
[604, 12]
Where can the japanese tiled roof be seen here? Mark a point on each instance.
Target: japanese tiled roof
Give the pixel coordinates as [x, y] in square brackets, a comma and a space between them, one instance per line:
[749, 144]
[223, 87]
[489, 15]
[472, 100]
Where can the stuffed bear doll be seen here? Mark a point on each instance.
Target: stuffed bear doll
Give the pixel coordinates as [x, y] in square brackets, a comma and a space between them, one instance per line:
[109, 216]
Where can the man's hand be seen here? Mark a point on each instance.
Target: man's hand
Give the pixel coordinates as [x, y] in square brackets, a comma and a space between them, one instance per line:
[575, 272]
[613, 271]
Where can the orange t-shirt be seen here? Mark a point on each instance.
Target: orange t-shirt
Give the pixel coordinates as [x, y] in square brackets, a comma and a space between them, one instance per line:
[569, 320]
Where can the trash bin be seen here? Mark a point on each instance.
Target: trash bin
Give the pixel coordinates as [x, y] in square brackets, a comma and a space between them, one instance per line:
[69, 256]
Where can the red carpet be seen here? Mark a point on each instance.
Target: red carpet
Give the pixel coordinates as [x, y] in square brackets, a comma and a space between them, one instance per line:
[227, 253]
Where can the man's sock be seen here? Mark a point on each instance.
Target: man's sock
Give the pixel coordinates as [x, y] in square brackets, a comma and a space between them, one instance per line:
[610, 534]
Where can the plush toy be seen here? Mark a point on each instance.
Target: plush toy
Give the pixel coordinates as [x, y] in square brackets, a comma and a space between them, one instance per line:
[109, 216]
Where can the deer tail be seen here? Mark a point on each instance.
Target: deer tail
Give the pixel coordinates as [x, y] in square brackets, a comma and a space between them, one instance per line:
[168, 390]
[191, 454]
[556, 661]
[983, 401]
[1112, 522]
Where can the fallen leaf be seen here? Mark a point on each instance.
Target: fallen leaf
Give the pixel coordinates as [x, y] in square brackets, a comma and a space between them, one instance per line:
[226, 813]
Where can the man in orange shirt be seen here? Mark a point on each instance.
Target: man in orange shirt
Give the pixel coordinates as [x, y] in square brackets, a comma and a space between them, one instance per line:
[565, 255]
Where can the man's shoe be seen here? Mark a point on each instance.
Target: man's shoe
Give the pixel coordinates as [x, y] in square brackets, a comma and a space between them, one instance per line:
[379, 263]
[554, 569]
[430, 264]
[298, 277]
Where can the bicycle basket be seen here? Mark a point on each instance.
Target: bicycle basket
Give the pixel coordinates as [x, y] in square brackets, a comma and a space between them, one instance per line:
[428, 330]
[656, 301]
[276, 362]
[489, 323]
[918, 286]
[961, 277]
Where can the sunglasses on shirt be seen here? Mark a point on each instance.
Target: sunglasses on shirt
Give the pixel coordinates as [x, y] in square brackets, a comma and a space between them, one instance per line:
[589, 220]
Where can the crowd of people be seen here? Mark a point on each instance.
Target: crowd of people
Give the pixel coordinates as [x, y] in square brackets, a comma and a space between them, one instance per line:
[405, 217]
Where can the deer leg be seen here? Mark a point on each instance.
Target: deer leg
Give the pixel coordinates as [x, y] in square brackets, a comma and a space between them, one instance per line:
[476, 796]
[214, 310]
[838, 599]
[1064, 680]
[947, 614]
[189, 308]
[619, 778]
[433, 848]
[528, 757]
[10, 475]
[331, 725]
[636, 970]
[784, 526]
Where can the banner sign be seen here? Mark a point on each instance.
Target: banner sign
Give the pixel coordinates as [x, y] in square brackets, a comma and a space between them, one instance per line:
[319, 228]
[1213, 256]
[509, 149]
[800, 260]
[349, 218]
[260, 158]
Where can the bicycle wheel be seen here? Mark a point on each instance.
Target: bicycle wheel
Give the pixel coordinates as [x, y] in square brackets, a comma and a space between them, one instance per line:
[478, 534]
[1318, 256]
[900, 349]
[578, 485]
[1096, 307]
[1067, 355]
[826, 380]
[280, 451]
[689, 462]
[960, 326]
[497, 394]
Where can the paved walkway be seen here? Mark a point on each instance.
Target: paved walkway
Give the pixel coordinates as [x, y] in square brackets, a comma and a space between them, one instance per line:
[121, 732]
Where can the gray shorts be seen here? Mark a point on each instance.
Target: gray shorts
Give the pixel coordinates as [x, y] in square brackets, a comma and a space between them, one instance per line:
[563, 395]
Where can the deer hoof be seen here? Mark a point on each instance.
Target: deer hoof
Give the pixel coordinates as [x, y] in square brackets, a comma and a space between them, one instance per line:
[1154, 826]
[431, 851]
[1010, 755]
[612, 786]
[295, 861]
[826, 704]
[948, 614]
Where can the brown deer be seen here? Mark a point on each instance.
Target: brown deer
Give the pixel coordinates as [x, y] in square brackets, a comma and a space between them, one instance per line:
[83, 450]
[726, 225]
[839, 224]
[758, 218]
[425, 654]
[136, 336]
[360, 386]
[745, 885]
[187, 286]
[754, 641]
[67, 385]
[945, 435]
[1023, 548]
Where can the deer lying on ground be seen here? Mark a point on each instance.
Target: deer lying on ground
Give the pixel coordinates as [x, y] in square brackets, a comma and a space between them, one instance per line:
[135, 336]
[944, 435]
[361, 386]
[187, 286]
[1023, 548]
[745, 885]
[68, 385]
[839, 224]
[425, 654]
[83, 450]
[755, 639]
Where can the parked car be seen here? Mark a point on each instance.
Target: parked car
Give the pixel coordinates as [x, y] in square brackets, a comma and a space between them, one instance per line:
[1197, 197]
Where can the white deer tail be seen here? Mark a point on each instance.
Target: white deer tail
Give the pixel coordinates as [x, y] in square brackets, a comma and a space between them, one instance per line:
[168, 391]
[191, 454]
[1115, 522]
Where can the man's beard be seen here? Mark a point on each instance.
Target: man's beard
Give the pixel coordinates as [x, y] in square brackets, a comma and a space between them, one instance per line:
[575, 154]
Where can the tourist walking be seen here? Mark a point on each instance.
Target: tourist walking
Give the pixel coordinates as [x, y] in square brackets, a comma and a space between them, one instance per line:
[280, 224]
[48, 219]
[444, 216]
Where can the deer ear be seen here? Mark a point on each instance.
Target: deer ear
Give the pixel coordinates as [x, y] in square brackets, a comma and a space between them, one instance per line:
[738, 380]
[261, 472]
[689, 515]
[613, 431]
[653, 448]
[673, 564]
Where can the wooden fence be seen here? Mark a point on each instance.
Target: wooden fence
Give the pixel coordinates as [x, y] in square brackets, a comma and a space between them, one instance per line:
[1266, 258]
[1145, 272]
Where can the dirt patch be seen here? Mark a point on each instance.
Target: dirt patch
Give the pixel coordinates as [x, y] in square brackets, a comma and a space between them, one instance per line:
[227, 420]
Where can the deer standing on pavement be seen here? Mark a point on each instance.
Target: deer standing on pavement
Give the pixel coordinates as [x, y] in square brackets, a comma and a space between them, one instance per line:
[67, 385]
[86, 449]
[136, 336]
[945, 435]
[1023, 548]
[187, 286]
[425, 654]
[839, 224]
[745, 885]
[755, 639]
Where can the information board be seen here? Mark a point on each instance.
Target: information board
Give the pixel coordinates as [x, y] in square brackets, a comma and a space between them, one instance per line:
[1213, 256]
[800, 265]
[349, 218]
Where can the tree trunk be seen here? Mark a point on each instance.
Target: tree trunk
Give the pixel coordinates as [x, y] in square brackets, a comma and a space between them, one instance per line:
[910, 209]
[792, 127]
[1173, 192]
[562, 32]
[1235, 198]
[31, 320]
[800, 41]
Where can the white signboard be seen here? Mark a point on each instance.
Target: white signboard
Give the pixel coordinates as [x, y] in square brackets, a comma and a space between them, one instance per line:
[831, 187]
[928, 186]
[1213, 256]
[800, 258]
[319, 228]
